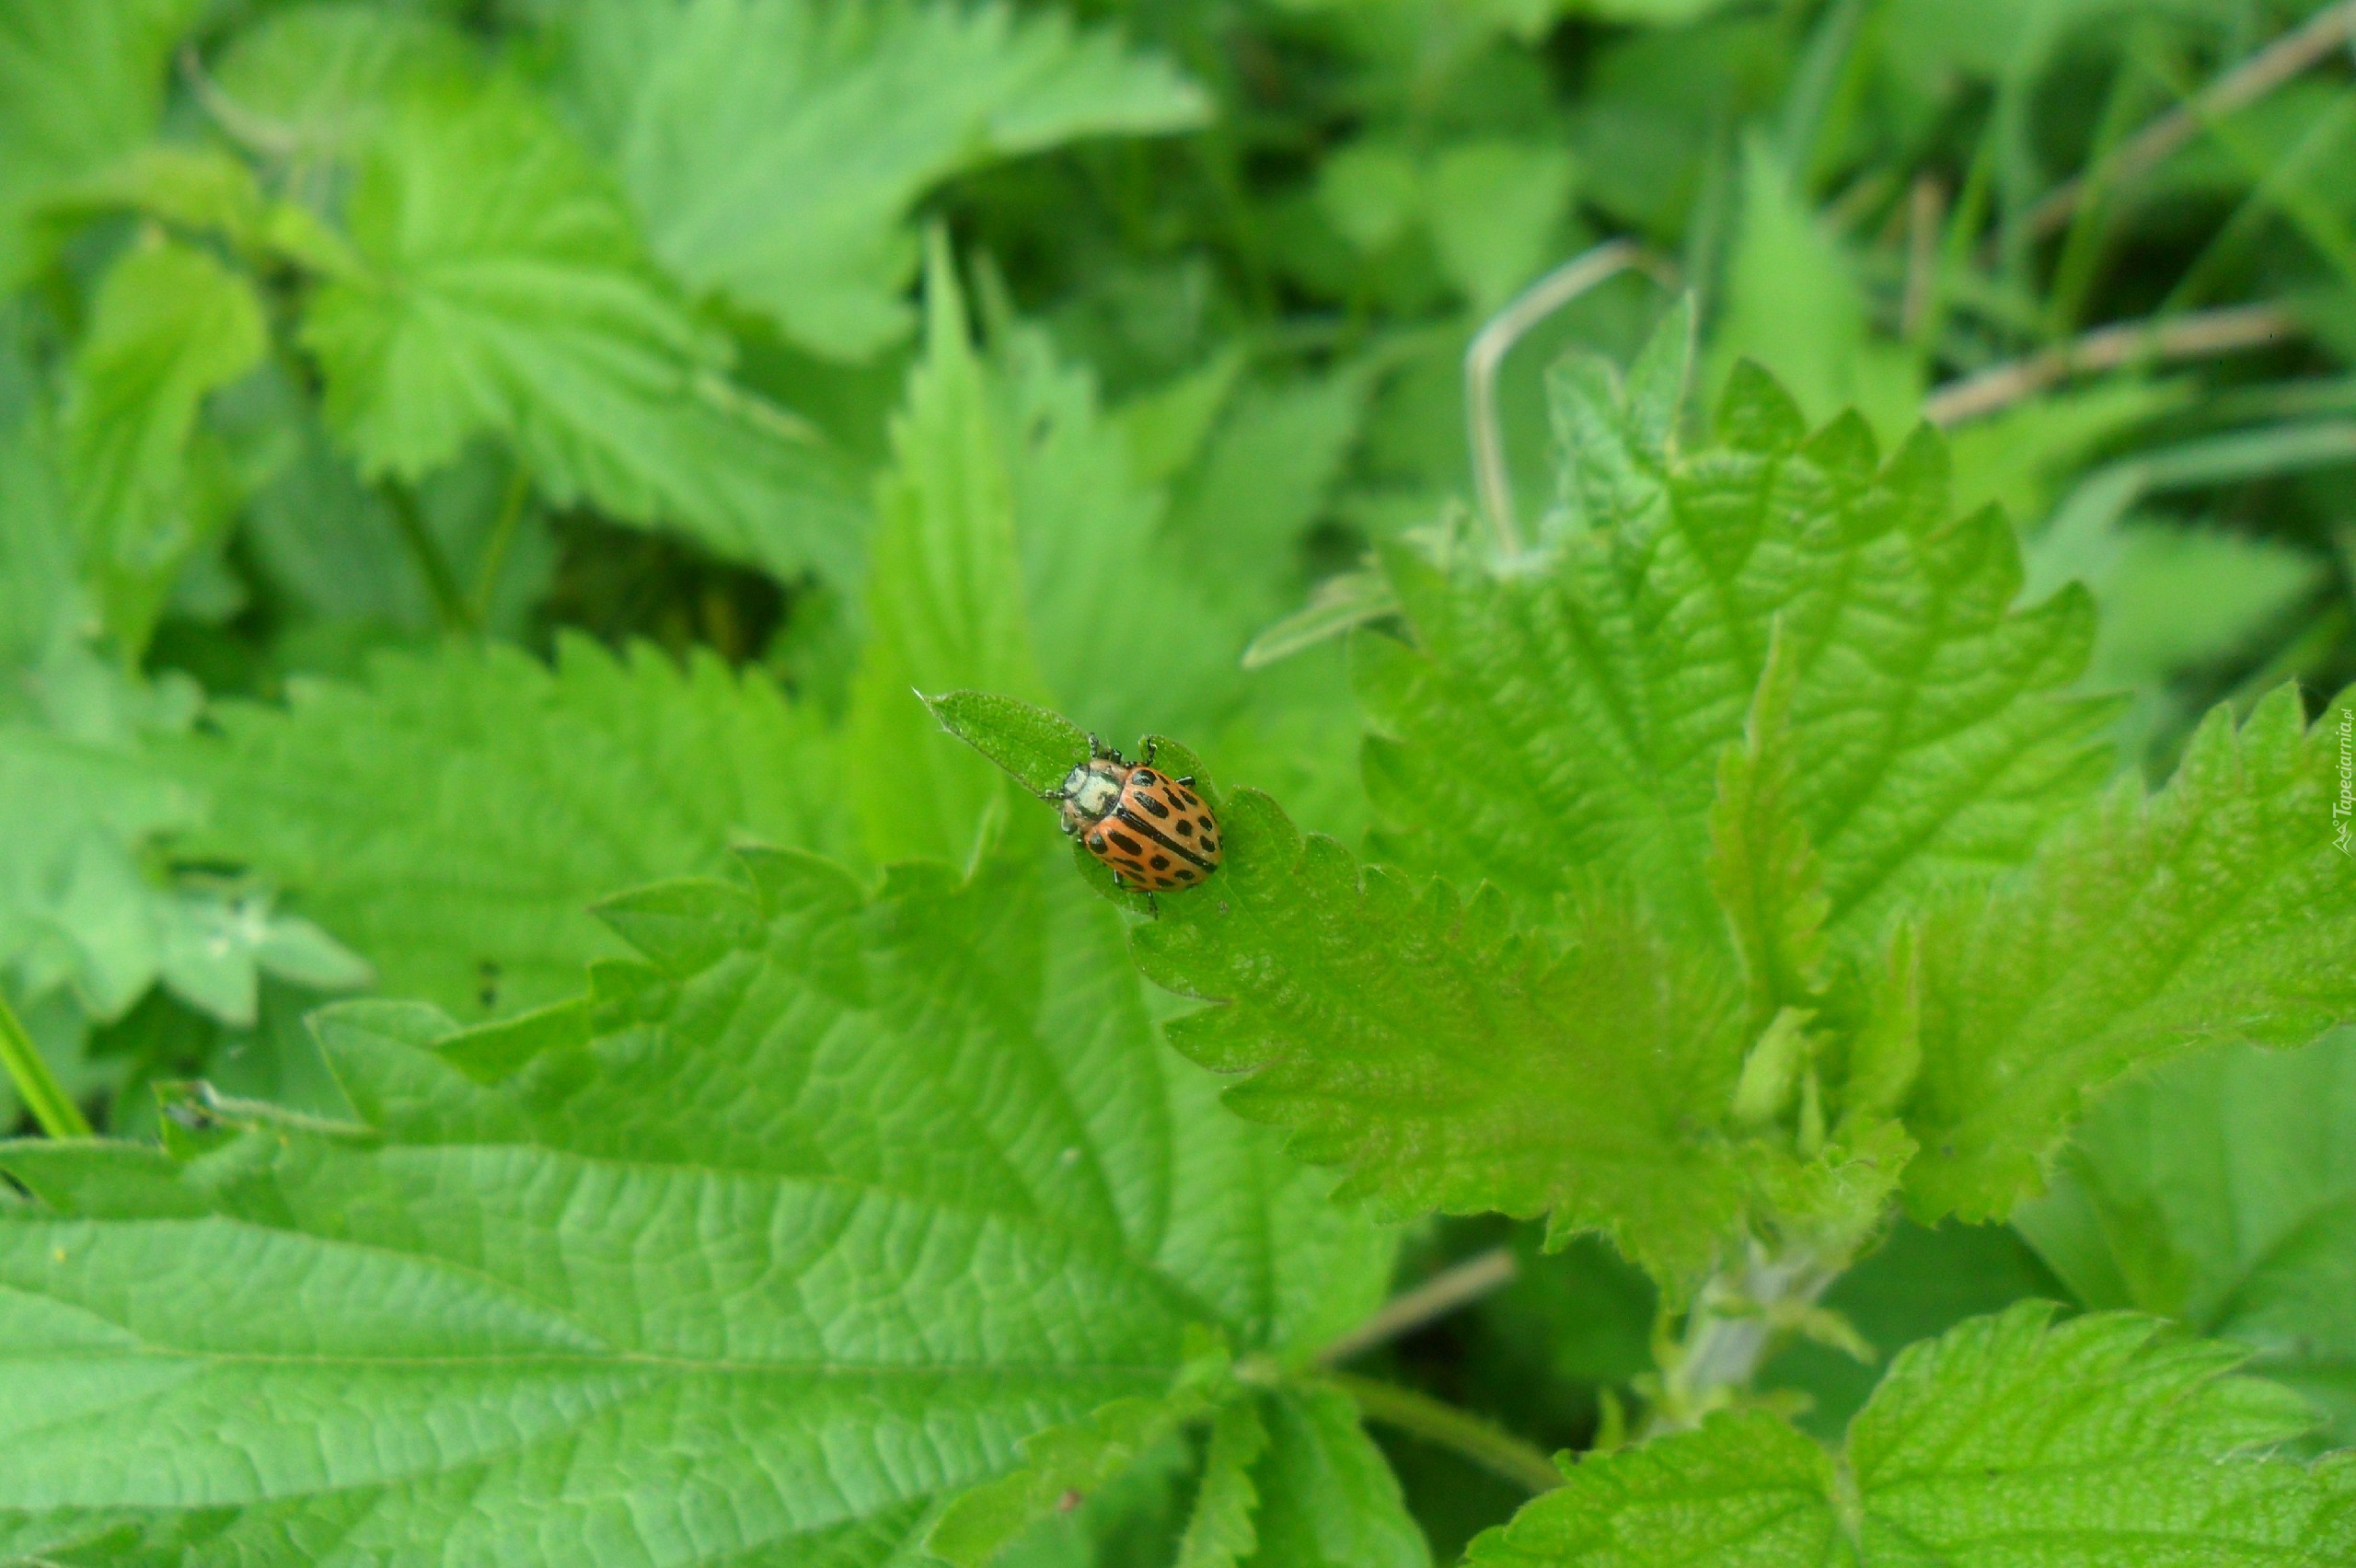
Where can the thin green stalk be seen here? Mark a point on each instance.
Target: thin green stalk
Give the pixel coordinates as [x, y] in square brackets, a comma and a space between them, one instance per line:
[2083, 249]
[1452, 1287]
[36, 1085]
[432, 566]
[1964, 219]
[1498, 1452]
[2278, 187]
[496, 549]
[1736, 1321]
[1825, 61]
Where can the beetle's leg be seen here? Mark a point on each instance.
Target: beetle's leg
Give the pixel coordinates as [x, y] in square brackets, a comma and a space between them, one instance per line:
[1152, 744]
[1189, 781]
[1056, 795]
[1151, 908]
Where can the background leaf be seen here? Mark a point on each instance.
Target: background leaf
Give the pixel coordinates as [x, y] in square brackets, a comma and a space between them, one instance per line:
[2217, 1191]
[78, 83]
[775, 147]
[520, 306]
[171, 325]
[2096, 1442]
[540, 788]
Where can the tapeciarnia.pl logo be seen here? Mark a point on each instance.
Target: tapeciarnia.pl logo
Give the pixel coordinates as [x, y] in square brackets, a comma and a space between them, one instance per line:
[2344, 808]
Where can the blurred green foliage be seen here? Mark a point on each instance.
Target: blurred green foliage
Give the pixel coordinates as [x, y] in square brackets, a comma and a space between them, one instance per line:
[459, 458]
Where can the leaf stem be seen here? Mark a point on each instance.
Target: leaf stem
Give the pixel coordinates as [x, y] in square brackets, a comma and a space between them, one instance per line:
[36, 1085]
[1495, 1450]
[449, 599]
[1732, 1327]
[496, 549]
[1457, 1285]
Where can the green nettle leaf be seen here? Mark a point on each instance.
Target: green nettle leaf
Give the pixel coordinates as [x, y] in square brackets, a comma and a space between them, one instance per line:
[77, 903]
[171, 325]
[2101, 1443]
[1017, 552]
[1561, 724]
[1063, 1465]
[1135, 630]
[84, 902]
[1035, 746]
[1221, 1533]
[1795, 305]
[311, 85]
[453, 817]
[79, 84]
[41, 592]
[1448, 1062]
[1762, 868]
[791, 1233]
[2222, 1190]
[504, 292]
[774, 148]
[2218, 909]
[945, 595]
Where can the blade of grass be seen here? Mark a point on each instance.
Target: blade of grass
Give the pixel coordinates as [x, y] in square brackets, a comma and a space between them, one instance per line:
[2285, 58]
[432, 566]
[51, 1107]
[2080, 265]
[2279, 186]
[2086, 517]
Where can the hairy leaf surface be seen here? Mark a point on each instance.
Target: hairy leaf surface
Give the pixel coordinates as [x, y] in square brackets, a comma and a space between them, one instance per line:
[791, 1232]
[1562, 723]
[1448, 1062]
[2215, 910]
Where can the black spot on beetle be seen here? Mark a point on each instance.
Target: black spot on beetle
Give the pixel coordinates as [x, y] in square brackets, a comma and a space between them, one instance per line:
[1154, 807]
[1185, 873]
[1126, 842]
[1144, 777]
[1186, 827]
[1096, 842]
[1161, 862]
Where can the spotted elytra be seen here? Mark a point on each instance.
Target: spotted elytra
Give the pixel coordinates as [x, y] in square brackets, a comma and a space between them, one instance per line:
[1152, 830]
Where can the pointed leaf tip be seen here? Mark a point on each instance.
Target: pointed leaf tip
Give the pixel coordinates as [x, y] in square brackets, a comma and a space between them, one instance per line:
[1035, 745]
[684, 927]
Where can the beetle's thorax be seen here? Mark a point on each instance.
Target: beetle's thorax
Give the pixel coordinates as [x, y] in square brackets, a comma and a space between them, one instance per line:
[1091, 790]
